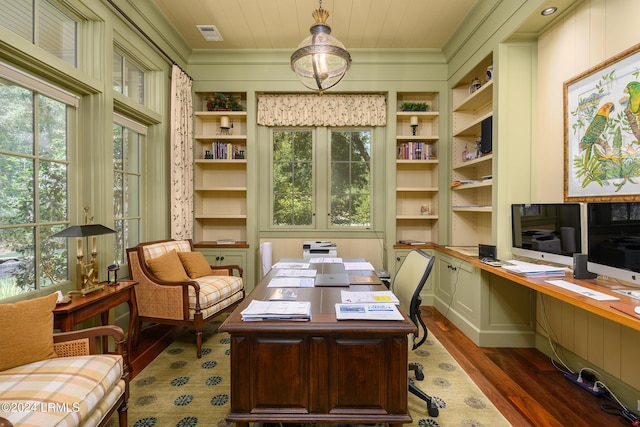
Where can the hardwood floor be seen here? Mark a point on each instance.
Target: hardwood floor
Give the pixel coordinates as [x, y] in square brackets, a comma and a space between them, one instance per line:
[521, 382]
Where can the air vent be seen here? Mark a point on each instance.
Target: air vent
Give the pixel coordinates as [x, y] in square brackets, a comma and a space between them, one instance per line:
[210, 33]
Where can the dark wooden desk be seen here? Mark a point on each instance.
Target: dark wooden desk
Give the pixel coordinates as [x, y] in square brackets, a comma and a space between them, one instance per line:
[83, 308]
[322, 370]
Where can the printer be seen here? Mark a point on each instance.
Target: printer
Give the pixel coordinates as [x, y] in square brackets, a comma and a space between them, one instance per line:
[319, 248]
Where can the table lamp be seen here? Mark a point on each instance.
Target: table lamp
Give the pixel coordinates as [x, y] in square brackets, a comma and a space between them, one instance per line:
[86, 274]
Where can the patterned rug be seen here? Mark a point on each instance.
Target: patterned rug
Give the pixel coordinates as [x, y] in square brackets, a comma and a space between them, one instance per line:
[177, 389]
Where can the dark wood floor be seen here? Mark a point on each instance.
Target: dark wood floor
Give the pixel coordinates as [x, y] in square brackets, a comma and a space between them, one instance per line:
[521, 383]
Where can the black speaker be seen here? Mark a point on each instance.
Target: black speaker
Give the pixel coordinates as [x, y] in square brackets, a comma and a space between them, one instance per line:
[486, 129]
[580, 267]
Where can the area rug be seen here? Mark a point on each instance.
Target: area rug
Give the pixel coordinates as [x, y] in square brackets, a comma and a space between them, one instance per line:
[177, 389]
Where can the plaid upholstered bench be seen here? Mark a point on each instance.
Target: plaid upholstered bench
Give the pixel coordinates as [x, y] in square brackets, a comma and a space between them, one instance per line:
[177, 286]
[58, 379]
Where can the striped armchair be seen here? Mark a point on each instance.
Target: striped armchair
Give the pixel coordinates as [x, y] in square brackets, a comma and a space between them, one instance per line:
[174, 287]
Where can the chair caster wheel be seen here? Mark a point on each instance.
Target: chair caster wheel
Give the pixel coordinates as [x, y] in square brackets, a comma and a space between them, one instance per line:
[432, 410]
[419, 375]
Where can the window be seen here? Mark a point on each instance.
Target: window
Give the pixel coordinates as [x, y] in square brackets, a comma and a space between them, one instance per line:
[128, 138]
[350, 178]
[304, 194]
[34, 169]
[128, 79]
[43, 24]
[292, 178]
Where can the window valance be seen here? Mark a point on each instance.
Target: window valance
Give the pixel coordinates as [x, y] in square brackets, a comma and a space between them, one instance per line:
[321, 110]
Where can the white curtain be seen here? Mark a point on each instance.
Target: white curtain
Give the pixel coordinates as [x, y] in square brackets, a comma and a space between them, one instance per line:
[321, 110]
[181, 155]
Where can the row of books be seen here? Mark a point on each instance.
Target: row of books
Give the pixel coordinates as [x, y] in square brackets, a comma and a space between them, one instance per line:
[224, 150]
[415, 151]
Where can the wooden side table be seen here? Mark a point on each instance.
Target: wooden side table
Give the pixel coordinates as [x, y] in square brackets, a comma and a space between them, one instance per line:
[83, 308]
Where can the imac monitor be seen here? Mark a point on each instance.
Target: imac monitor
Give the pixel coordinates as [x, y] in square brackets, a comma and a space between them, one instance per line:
[546, 231]
[613, 236]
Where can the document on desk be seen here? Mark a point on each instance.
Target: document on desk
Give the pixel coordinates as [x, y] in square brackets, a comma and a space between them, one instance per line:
[328, 260]
[537, 270]
[277, 310]
[376, 311]
[585, 292]
[294, 265]
[349, 297]
[295, 273]
[290, 282]
[359, 265]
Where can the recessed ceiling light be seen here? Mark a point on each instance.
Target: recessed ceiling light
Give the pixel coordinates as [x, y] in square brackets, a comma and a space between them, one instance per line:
[210, 33]
[548, 11]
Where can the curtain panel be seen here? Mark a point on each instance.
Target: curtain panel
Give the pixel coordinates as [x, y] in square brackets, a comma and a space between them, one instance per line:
[181, 155]
[321, 110]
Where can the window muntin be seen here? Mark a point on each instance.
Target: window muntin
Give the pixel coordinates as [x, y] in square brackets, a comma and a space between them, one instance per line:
[34, 138]
[128, 79]
[43, 24]
[350, 178]
[127, 178]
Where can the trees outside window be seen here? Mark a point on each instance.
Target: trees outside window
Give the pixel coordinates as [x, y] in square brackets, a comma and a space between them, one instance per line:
[303, 194]
[34, 197]
[127, 149]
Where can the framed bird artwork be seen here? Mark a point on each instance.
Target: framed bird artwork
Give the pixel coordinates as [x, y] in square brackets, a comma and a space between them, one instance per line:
[602, 131]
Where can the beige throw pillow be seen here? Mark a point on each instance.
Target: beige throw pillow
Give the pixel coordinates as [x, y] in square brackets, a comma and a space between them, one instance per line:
[195, 263]
[26, 331]
[168, 267]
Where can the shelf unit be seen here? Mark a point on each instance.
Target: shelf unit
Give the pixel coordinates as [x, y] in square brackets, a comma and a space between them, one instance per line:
[220, 184]
[472, 172]
[417, 169]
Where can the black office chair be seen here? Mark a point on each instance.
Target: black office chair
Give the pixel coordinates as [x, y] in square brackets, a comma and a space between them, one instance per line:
[407, 285]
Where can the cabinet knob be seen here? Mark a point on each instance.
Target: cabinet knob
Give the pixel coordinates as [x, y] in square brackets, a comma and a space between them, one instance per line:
[222, 258]
[397, 258]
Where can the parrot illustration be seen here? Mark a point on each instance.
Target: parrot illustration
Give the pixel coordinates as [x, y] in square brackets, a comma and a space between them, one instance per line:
[595, 129]
[633, 89]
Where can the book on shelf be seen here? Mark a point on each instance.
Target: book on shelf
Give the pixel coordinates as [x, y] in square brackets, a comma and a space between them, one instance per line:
[277, 310]
[224, 151]
[415, 151]
[411, 242]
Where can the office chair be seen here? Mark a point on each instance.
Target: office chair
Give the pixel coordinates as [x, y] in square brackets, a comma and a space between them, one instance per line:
[407, 285]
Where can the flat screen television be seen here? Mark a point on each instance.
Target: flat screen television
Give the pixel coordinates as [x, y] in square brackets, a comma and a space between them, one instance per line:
[547, 231]
[613, 239]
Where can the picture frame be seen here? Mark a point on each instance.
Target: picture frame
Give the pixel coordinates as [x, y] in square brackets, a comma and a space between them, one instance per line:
[602, 131]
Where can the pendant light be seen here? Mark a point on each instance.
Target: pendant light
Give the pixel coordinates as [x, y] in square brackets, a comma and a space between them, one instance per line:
[321, 60]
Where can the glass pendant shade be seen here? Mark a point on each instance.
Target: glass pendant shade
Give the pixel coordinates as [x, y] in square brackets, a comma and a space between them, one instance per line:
[321, 60]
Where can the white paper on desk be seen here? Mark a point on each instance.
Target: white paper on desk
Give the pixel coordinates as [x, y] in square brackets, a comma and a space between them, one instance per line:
[288, 310]
[290, 282]
[360, 265]
[581, 290]
[328, 260]
[296, 265]
[367, 312]
[296, 273]
[349, 297]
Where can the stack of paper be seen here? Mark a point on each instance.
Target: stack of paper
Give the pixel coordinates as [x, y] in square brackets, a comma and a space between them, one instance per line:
[534, 270]
[349, 297]
[367, 312]
[277, 310]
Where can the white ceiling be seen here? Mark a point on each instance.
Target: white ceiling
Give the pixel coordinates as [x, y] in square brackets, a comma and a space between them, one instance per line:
[283, 24]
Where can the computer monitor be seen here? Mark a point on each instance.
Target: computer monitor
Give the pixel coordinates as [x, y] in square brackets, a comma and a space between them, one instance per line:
[546, 231]
[613, 239]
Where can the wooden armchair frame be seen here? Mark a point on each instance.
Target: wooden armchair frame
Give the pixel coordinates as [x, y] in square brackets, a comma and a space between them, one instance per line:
[167, 302]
